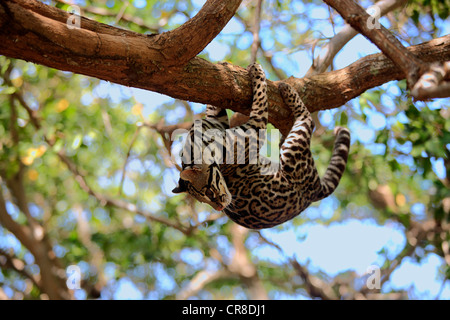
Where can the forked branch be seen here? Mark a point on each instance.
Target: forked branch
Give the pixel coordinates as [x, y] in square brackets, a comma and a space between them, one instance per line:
[413, 68]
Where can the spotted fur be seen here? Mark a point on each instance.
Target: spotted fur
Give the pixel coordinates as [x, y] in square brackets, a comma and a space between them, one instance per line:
[248, 196]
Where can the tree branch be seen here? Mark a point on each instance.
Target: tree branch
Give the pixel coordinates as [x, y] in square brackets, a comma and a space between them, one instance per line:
[329, 51]
[422, 78]
[360, 20]
[188, 40]
[51, 279]
[33, 31]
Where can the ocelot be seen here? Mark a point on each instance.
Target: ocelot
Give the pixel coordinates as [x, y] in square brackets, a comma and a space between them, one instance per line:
[242, 188]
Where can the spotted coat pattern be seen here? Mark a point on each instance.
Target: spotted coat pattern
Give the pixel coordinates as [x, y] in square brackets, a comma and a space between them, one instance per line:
[246, 195]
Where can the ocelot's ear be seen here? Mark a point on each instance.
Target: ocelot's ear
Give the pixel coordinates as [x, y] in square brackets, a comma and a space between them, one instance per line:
[181, 187]
[190, 174]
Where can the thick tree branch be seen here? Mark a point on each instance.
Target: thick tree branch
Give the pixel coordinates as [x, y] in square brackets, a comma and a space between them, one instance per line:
[33, 31]
[187, 41]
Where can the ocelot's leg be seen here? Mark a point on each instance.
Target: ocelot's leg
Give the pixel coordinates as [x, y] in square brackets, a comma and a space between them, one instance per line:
[259, 113]
[295, 157]
[251, 135]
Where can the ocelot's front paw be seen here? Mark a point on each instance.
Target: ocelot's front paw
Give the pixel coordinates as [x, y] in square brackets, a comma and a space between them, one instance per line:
[256, 71]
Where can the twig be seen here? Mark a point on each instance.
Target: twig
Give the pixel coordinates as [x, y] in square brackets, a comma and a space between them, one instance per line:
[96, 253]
[166, 135]
[133, 139]
[267, 56]
[122, 11]
[200, 280]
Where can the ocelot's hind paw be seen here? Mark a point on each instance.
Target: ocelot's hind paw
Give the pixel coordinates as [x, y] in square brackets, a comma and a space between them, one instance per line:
[340, 130]
[287, 92]
[256, 71]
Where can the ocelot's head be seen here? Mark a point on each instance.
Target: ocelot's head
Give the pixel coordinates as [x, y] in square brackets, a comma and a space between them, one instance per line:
[206, 184]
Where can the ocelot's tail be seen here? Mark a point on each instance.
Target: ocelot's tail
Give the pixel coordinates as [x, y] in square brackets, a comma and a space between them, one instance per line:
[337, 164]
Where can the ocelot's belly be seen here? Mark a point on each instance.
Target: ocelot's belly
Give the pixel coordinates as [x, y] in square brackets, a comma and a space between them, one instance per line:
[258, 207]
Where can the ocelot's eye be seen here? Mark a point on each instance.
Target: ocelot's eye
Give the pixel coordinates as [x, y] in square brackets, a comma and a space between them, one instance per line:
[209, 194]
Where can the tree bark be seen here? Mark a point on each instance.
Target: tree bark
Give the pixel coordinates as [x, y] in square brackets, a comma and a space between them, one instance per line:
[165, 63]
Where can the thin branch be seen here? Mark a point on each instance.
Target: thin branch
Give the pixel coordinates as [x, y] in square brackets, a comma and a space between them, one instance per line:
[122, 11]
[166, 135]
[96, 253]
[200, 280]
[133, 139]
[267, 55]
[255, 31]
[240, 267]
[316, 288]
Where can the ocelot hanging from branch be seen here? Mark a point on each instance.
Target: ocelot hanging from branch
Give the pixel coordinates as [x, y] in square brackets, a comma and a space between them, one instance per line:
[248, 191]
